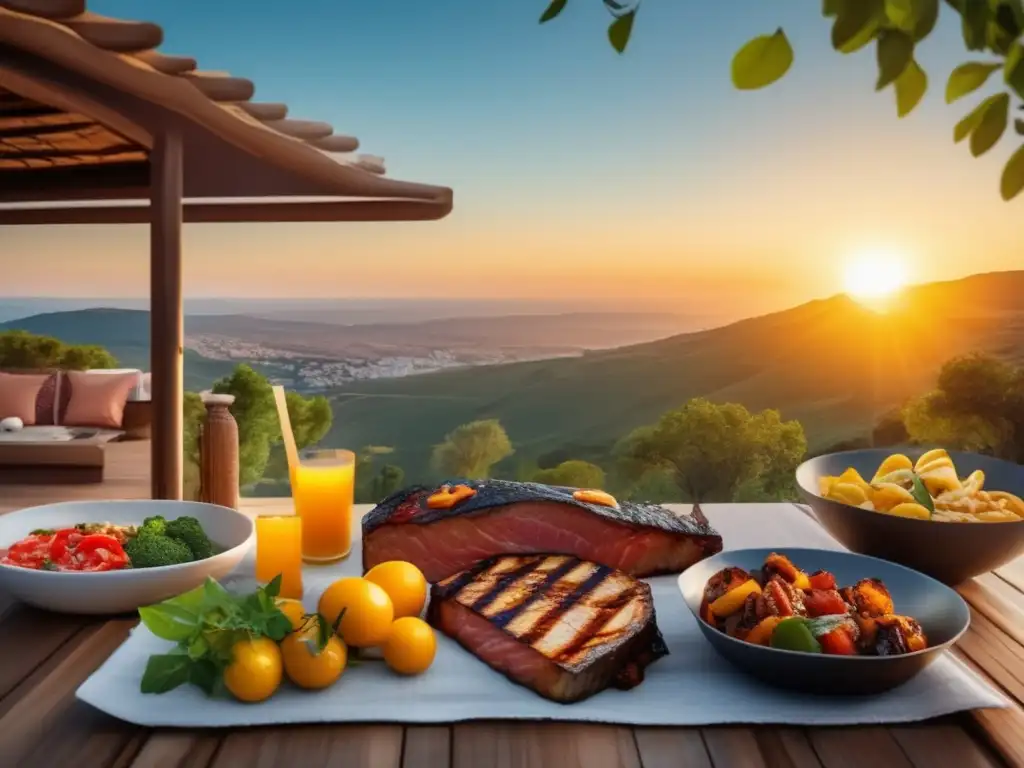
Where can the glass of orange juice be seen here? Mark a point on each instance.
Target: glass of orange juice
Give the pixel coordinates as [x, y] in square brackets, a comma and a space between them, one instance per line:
[279, 551]
[322, 487]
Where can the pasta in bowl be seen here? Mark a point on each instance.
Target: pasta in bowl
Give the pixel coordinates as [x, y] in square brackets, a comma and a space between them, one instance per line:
[928, 489]
[924, 509]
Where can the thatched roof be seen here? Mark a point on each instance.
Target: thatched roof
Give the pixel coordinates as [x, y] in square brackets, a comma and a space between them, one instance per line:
[82, 96]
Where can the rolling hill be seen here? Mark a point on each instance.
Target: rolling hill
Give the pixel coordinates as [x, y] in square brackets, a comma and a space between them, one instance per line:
[124, 333]
[833, 364]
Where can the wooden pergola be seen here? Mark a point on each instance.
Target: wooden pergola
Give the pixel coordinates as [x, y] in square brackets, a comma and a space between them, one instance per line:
[98, 127]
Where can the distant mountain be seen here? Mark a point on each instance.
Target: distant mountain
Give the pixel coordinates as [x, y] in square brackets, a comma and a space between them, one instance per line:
[834, 364]
[519, 335]
[124, 333]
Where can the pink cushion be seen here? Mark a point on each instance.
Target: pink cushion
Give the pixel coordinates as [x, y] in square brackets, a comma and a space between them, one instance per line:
[97, 400]
[18, 395]
[47, 402]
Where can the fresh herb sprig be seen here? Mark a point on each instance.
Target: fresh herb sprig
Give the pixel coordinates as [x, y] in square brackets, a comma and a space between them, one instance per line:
[921, 494]
[206, 623]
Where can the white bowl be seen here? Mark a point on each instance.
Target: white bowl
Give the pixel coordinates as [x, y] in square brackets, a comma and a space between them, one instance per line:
[112, 592]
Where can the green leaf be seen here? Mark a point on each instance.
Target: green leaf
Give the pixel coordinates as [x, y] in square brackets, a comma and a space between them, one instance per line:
[1013, 69]
[856, 24]
[974, 23]
[927, 17]
[165, 672]
[967, 78]
[170, 622]
[915, 17]
[895, 52]
[1012, 181]
[822, 625]
[273, 589]
[555, 8]
[921, 495]
[910, 89]
[991, 126]
[973, 119]
[206, 675]
[620, 30]
[831, 8]
[762, 61]
[1018, 125]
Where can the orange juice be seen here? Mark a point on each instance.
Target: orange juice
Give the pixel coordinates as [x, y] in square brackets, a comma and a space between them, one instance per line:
[322, 487]
[279, 551]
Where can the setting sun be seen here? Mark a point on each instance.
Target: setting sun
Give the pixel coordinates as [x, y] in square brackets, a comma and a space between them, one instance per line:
[874, 276]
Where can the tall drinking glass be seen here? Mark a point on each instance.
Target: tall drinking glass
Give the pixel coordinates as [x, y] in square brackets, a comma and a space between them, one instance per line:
[322, 487]
[279, 551]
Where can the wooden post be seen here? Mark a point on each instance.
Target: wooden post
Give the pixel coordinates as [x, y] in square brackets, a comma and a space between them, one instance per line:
[166, 321]
[218, 452]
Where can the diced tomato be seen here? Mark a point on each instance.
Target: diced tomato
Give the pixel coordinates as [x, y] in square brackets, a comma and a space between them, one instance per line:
[823, 580]
[824, 602]
[62, 539]
[838, 642]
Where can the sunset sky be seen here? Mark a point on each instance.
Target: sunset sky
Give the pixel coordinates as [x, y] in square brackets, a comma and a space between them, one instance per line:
[643, 177]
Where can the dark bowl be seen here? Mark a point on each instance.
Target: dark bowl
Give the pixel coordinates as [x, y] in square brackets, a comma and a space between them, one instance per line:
[942, 613]
[949, 552]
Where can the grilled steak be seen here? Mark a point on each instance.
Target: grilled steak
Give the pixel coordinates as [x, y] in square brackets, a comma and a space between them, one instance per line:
[496, 517]
[563, 627]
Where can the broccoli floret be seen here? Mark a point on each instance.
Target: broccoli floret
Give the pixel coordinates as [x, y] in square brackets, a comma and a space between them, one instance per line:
[151, 550]
[155, 524]
[188, 531]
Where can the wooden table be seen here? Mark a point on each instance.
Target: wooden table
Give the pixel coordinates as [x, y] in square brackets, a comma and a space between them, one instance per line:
[44, 657]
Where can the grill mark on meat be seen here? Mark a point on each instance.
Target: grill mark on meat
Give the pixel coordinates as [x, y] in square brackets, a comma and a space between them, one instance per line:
[507, 579]
[571, 629]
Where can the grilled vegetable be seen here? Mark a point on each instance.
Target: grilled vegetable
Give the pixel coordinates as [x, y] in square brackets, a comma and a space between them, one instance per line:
[869, 597]
[793, 634]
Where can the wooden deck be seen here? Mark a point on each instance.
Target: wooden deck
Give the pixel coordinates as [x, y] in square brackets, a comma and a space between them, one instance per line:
[126, 476]
[45, 658]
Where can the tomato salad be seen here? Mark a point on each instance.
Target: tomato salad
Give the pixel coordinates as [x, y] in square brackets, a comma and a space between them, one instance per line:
[83, 548]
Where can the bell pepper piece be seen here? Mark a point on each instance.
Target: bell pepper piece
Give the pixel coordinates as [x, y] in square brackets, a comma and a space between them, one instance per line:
[761, 634]
[448, 496]
[593, 496]
[822, 580]
[793, 634]
[733, 600]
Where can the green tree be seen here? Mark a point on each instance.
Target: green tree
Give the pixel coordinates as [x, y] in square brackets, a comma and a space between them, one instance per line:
[572, 474]
[991, 28]
[256, 413]
[471, 450]
[388, 480]
[259, 428]
[890, 430]
[311, 418]
[28, 351]
[978, 405]
[712, 450]
[192, 422]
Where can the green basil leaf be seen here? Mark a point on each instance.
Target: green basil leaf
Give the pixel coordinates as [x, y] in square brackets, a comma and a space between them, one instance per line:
[277, 627]
[169, 622]
[822, 625]
[205, 675]
[165, 673]
[921, 495]
[273, 589]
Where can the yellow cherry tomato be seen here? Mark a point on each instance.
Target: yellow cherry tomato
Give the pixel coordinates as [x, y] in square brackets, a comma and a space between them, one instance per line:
[364, 608]
[410, 647]
[404, 583]
[255, 671]
[308, 666]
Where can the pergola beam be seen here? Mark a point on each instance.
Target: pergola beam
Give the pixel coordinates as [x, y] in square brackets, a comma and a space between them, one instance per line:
[219, 213]
[166, 315]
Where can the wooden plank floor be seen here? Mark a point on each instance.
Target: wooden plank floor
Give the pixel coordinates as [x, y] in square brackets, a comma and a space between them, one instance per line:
[126, 476]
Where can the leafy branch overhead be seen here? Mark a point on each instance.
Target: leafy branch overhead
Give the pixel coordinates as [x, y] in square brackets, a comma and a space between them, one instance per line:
[992, 28]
